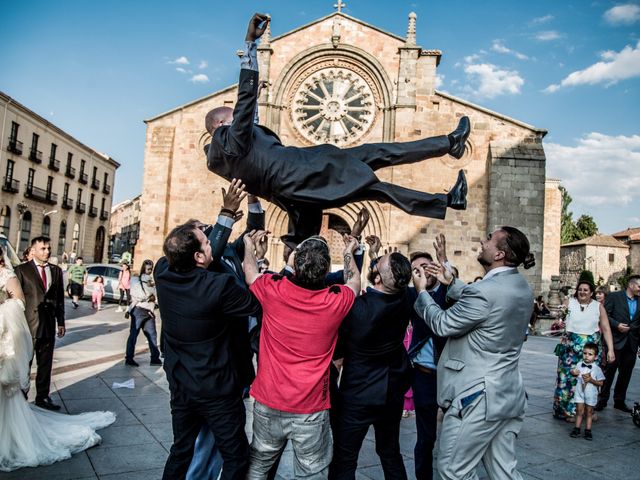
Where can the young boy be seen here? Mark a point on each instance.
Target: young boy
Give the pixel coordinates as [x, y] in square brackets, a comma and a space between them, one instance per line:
[590, 377]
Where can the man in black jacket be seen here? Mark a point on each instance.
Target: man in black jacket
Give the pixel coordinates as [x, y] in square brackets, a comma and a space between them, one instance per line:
[624, 317]
[376, 370]
[304, 181]
[199, 309]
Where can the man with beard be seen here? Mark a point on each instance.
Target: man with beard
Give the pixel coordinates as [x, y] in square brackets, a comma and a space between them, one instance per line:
[479, 384]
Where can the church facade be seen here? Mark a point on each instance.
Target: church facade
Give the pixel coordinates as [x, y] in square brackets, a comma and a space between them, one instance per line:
[340, 80]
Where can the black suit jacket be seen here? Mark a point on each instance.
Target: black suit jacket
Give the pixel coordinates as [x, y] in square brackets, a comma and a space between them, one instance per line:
[42, 309]
[618, 312]
[290, 177]
[376, 368]
[199, 311]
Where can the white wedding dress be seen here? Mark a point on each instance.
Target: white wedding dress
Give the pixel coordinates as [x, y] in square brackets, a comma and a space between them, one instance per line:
[31, 436]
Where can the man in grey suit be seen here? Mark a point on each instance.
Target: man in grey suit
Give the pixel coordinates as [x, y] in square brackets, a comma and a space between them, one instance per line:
[479, 384]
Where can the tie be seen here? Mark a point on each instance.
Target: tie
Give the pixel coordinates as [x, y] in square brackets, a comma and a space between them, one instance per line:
[43, 276]
[584, 365]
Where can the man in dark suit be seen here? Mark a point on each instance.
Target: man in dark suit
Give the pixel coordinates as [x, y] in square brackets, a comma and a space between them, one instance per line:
[304, 181]
[424, 351]
[43, 289]
[199, 309]
[624, 317]
[376, 370]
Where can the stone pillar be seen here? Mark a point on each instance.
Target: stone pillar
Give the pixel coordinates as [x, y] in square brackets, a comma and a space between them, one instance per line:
[264, 65]
[551, 243]
[409, 54]
[156, 189]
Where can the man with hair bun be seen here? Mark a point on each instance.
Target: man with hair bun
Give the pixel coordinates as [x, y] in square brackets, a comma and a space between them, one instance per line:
[479, 384]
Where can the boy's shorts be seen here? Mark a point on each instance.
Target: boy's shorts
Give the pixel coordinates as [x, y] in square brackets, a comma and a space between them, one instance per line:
[589, 396]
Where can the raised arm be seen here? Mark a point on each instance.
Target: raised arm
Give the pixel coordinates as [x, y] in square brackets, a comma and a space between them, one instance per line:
[239, 134]
[351, 272]
[250, 263]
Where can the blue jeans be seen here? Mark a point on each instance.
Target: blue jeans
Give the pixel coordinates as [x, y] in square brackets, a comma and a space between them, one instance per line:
[206, 461]
[144, 320]
[310, 436]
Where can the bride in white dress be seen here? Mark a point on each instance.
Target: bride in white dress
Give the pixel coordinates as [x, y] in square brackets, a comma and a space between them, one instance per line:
[31, 436]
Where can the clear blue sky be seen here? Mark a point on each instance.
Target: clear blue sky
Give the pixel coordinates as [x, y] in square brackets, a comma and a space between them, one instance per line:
[98, 69]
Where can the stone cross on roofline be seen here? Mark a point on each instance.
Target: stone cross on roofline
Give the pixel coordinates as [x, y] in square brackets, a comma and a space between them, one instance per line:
[340, 5]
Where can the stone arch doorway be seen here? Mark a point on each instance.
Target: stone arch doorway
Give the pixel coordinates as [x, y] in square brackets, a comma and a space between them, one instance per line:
[98, 249]
[335, 222]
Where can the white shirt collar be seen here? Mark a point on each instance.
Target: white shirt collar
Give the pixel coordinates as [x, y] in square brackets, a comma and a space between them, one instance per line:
[497, 270]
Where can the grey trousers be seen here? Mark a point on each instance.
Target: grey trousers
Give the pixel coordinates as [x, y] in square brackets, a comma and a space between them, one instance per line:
[467, 438]
[310, 436]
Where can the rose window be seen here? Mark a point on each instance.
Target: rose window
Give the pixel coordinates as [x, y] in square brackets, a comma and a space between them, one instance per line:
[333, 105]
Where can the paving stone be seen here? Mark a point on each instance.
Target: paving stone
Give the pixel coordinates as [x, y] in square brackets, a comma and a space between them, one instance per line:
[109, 459]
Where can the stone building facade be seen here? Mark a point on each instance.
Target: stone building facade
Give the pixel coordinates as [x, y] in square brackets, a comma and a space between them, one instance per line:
[124, 228]
[52, 185]
[631, 238]
[343, 81]
[603, 255]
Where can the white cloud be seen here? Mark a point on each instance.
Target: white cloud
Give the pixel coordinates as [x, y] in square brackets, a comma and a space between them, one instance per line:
[489, 81]
[540, 20]
[181, 70]
[203, 64]
[199, 78]
[623, 14]
[602, 170]
[180, 61]
[548, 36]
[499, 47]
[614, 66]
[439, 80]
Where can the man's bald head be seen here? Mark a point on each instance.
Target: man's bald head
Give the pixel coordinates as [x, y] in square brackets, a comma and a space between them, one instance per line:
[217, 117]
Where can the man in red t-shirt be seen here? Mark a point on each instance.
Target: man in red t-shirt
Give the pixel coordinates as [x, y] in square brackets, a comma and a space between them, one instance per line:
[300, 324]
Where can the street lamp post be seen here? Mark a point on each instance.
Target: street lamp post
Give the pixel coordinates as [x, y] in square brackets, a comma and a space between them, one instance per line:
[22, 208]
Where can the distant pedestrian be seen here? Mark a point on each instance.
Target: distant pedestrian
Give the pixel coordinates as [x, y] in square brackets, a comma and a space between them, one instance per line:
[77, 275]
[143, 304]
[124, 286]
[98, 293]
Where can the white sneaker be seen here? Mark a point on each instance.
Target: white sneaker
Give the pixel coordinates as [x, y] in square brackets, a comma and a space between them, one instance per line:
[119, 309]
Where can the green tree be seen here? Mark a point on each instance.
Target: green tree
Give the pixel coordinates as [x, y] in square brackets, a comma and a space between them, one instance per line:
[586, 276]
[567, 228]
[585, 227]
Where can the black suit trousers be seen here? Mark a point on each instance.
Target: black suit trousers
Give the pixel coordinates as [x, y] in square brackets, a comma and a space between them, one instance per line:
[424, 395]
[43, 350]
[225, 416]
[625, 361]
[349, 431]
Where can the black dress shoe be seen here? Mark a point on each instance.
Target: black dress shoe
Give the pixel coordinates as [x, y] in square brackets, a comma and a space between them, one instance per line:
[155, 362]
[622, 407]
[457, 196]
[131, 363]
[459, 137]
[47, 404]
[600, 406]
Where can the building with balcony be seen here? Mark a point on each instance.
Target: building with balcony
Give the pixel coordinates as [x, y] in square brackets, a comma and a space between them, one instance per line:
[45, 185]
[124, 228]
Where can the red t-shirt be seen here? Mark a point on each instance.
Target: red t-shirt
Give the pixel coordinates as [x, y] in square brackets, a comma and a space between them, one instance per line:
[298, 337]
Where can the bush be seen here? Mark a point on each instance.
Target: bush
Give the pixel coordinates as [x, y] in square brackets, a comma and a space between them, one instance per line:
[587, 276]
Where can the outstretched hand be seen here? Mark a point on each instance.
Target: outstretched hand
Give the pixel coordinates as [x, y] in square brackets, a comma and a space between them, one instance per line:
[375, 244]
[441, 248]
[420, 278]
[260, 239]
[442, 274]
[257, 26]
[231, 199]
[361, 222]
[350, 243]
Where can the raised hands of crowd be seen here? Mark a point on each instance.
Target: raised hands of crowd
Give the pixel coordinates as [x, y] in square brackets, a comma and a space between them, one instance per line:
[232, 199]
[351, 272]
[440, 246]
[257, 26]
[360, 223]
[261, 241]
[442, 274]
[375, 244]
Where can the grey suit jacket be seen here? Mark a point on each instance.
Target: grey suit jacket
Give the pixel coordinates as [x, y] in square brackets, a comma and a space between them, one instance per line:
[486, 328]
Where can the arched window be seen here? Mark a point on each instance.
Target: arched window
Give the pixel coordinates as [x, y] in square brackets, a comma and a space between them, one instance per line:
[62, 237]
[46, 226]
[25, 232]
[6, 220]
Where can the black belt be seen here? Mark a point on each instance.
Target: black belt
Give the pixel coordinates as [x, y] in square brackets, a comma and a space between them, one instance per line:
[428, 371]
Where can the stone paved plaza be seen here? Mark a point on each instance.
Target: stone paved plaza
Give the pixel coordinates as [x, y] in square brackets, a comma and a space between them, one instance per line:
[89, 360]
